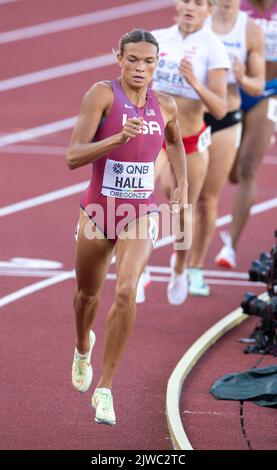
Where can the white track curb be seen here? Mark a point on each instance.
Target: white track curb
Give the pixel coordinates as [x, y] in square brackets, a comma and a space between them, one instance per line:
[183, 368]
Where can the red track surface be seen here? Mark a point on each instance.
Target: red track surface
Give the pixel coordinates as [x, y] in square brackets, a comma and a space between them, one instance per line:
[39, 409]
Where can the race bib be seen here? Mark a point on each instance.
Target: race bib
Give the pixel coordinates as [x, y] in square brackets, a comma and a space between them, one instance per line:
[204, 140]
[128, 180]
[272, 109]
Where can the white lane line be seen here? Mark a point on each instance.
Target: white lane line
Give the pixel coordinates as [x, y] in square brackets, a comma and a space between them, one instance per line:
[57, 72]
[43, 199]
[2, 2]
[232, 274]
[8, 268]
[39, 131]
[31, 263]
[65, 275]
[263, 206]
[270, 160]
[35, 149]
[35, 287]
[17, 272]
[232, 282]
[97, 17]
[206, 272]
[221, 282]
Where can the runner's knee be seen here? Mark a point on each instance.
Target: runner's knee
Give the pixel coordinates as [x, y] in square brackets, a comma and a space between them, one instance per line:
[86, 298]
[207, 203]
[247, 170]
[125, 294]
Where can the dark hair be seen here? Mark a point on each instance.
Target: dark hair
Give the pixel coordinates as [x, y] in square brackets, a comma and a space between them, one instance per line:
[137, 35]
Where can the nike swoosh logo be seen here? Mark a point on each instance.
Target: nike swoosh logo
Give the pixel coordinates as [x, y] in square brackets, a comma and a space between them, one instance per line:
[269, 92]
[127, 106]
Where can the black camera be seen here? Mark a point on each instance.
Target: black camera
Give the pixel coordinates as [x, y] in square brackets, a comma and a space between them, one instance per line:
[264, 336]
[265, 269]
[252, 305]
[261, 269]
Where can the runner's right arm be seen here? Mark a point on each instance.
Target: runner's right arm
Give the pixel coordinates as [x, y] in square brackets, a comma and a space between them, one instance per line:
[251, 78]
[96, 104]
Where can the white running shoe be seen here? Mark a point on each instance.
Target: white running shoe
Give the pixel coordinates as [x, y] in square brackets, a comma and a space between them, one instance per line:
[226, 258]
[177, 289]
[81, 368]
[197, 285]
[273, 139]
[102, 401]
[144, 281]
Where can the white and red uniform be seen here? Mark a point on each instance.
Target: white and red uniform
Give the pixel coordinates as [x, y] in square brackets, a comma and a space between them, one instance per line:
[202, 48]
[205, 51]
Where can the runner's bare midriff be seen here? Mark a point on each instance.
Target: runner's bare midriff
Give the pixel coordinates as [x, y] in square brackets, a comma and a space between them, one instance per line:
[233, 99]
[190, 115]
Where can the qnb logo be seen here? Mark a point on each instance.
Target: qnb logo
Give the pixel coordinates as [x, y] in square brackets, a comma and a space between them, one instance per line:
[149, 127]
[118, 168]
[137, 169]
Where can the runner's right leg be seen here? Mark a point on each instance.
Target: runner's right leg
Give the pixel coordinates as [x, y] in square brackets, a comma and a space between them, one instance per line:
[93, 257]
[206, 212]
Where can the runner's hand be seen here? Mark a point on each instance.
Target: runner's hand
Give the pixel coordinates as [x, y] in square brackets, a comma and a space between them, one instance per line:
[180, 199]
[131, 129]
[187, 71]
[238, 69]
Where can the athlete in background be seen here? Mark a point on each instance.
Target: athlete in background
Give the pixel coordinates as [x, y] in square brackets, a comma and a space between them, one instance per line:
[244, 43]
[192, 67]
[258, 111]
